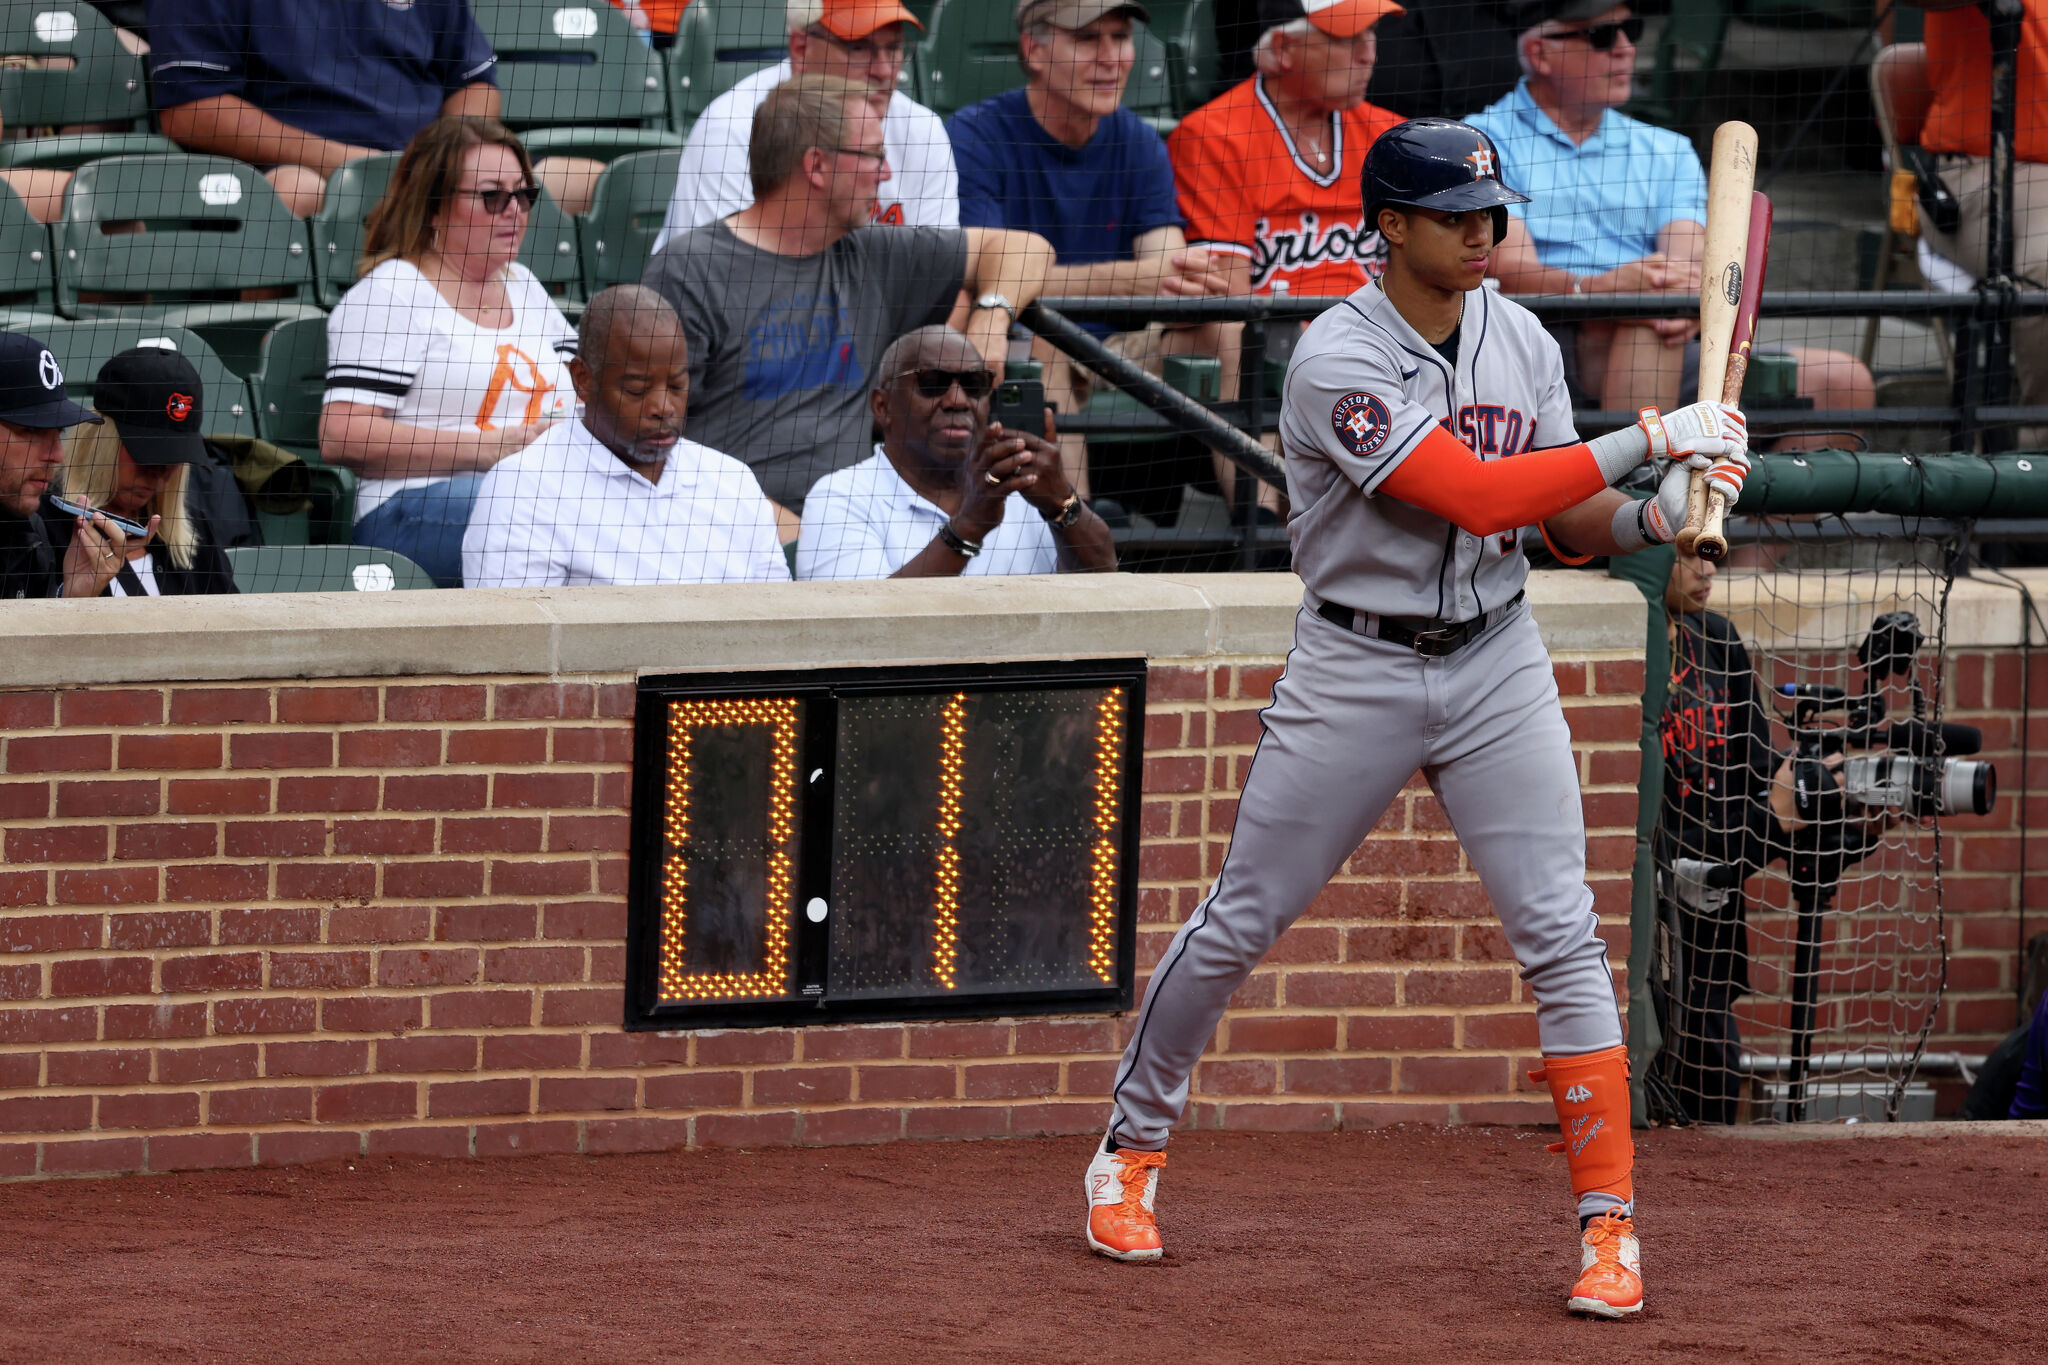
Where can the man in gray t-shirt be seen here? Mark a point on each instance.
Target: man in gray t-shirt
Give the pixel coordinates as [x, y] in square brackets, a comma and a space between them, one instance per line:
[789, 303]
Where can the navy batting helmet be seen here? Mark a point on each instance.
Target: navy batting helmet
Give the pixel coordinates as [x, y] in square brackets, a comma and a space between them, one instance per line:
[1435, 163]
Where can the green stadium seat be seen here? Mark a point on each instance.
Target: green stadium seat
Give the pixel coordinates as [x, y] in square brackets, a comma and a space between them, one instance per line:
[338, 229]
[575, 79]
[81, 348]
[26, 280]
[324, 568]
[626, 213]
[970, 54]
[1188, 28]
[290, 378]
[95, 81]
[720, 43]
[213, 228]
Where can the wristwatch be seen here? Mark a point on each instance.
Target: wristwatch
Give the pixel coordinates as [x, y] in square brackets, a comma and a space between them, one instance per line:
[994, 300]
[1065, 515]
[957, 543]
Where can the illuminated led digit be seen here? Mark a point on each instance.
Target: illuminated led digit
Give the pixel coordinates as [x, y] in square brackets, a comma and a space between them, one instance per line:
[946, 893]
[1109, 740]
[779, 714]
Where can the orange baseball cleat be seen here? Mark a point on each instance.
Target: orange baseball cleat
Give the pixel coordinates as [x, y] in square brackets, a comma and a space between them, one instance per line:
[1610, 1269]
[1122, 1187]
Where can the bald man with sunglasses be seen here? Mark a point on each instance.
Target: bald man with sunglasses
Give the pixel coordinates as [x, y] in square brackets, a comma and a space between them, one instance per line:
[947, 492]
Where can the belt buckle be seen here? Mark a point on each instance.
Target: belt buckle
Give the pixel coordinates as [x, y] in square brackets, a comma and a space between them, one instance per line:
[1434, 644]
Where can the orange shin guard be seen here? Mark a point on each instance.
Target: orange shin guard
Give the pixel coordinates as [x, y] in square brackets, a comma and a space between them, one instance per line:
[1591, 1095]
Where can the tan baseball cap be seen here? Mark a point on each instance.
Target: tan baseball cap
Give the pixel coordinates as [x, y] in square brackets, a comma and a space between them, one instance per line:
[1072, 14]
[856, 19]
[1338, 18]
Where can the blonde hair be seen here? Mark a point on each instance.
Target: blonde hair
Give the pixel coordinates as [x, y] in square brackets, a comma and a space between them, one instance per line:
[803, 13]
[801, 113]
[92, 455]
[401, 227]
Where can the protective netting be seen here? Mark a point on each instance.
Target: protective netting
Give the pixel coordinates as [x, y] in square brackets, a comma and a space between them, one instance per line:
[1799, 944]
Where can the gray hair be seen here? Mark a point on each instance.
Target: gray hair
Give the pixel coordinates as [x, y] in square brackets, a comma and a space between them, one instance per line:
[1263, 56]
[621, 308]
[1522, 41]
[804, 13]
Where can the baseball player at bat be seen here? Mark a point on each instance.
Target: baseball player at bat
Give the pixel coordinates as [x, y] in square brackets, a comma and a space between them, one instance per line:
[1424, 421]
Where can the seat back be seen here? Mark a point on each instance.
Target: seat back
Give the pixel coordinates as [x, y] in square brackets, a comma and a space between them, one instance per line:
[970, 54]
[1901, 94]
[1188, 28]
[324, 568]
[290, 380]
[719, 44]
[98, 81]
[338, 231]
[154, 230]
[565, 63]
[626, 213]
[25, 278]
[81, 348]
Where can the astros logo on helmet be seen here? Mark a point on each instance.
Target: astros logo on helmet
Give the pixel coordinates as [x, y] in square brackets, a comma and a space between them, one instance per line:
[1482, 163]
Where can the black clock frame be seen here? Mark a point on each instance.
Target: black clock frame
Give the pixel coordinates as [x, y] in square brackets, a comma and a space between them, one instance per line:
[820, 690]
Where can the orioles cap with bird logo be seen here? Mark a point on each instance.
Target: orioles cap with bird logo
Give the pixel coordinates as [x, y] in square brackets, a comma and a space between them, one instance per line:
[153, 397]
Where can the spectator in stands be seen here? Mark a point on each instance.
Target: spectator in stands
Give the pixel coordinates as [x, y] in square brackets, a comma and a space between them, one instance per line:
[33, 415]
[1958, 128]
[446, 356]
[788, 303]
[138, 464]
[857, 40]
[1063, 158]
[1618, 206]
[303, 88]
[1269, 170]
[945, 492]
[655, 20]
[619, 496]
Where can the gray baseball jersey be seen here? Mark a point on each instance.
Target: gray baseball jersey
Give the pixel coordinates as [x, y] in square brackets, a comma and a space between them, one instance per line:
[1363, 389]
[1354, 716]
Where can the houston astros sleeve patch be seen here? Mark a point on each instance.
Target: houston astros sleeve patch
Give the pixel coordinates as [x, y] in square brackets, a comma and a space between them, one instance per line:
[1362, 423]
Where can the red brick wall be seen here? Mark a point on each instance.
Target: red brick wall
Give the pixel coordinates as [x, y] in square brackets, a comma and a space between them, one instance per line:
[275, 923]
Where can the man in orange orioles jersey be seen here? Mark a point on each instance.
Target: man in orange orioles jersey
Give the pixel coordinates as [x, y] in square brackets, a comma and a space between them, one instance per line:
[1422, 418]
[1268, 171]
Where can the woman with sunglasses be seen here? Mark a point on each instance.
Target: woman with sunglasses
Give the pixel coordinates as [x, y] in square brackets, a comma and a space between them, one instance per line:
[447, 355]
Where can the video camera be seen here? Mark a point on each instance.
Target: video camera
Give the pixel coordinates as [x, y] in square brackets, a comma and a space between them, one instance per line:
[1923, 778]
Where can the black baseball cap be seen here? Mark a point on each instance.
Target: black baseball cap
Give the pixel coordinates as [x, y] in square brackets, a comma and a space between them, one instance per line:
[152, 396]
[32, 387]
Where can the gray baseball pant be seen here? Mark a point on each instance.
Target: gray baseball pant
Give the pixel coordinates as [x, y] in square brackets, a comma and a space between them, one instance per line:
[1351, 719]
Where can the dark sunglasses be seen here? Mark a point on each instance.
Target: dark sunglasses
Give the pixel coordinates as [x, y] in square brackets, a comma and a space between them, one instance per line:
[495, 202]
[934, 383]
[1601, 37]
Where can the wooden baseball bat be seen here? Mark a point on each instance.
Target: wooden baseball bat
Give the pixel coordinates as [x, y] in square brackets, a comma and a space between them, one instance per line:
[1731, 179]
[1712, 542]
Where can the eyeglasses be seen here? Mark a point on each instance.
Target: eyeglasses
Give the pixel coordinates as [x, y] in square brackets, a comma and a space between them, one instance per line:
[496, 202]
[935, 383]
[1601, 37]
[861, 50]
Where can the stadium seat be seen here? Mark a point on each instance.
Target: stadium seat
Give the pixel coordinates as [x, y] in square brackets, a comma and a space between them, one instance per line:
[1188, 28]
[626, 214]
[719, 44]
[338, 230]
[211, 231]
[324, 568]
[81, 348]
[98, 82]
[291, 376]
[575, 79]
[1900, 96]
[971, 54]
[25, 277]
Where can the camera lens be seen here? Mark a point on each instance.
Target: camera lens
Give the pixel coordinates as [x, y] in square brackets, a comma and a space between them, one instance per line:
[1968, 785]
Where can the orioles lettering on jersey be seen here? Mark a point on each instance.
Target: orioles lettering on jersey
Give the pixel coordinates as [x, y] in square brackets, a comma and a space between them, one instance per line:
[1309, 245]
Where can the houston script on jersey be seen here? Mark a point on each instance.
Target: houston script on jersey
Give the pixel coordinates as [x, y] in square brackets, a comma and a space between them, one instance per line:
[1245, 189]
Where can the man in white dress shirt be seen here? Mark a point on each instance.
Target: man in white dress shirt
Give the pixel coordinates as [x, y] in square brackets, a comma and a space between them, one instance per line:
[863, 41]
[946, 493]
[618, 496]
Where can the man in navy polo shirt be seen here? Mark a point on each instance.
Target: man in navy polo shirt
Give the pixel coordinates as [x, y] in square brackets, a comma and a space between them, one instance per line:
[302, 88]
[1063, 158]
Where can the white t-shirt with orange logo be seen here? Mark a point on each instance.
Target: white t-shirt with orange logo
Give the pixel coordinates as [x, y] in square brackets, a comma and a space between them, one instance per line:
[394, 343]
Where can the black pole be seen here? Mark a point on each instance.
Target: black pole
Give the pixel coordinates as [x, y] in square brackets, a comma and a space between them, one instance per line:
[2005, 18]
[1805, 997]
[1183, 412]
[1251, 388]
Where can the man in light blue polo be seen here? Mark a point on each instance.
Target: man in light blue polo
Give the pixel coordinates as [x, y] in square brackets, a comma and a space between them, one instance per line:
[1617, 206]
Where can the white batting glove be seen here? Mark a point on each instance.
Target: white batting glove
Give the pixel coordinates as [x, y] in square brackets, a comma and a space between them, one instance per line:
[1726, 475]
[1663, 514]
[1696, 435]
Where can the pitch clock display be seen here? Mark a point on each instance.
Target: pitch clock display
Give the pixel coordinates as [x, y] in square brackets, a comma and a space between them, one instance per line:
[884, 844]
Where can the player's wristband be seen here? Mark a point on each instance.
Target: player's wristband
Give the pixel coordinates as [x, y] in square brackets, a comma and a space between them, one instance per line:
[957, 543]
[1638, 525]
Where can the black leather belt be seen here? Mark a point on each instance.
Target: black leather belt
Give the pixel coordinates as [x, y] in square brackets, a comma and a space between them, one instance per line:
[1425, 635]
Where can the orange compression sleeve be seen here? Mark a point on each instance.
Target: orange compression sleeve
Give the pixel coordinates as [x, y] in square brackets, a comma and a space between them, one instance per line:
[1485, 497]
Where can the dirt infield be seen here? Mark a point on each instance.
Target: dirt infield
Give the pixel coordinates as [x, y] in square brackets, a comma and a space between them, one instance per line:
[1407, 1243]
